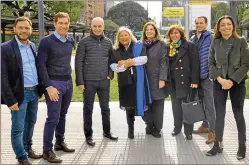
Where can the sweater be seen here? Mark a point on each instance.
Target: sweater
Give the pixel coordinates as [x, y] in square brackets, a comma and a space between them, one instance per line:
[54, 59]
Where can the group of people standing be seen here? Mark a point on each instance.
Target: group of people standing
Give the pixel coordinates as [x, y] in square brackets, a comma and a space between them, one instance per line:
[148, 71]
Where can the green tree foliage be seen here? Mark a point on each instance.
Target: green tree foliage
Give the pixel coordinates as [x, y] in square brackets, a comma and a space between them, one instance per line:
[245, 20]
[18, 8]
[129, 14]
[111, 26]
[73, 8]
[217, 10]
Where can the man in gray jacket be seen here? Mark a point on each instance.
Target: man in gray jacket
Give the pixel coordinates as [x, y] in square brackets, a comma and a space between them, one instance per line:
[93, 74]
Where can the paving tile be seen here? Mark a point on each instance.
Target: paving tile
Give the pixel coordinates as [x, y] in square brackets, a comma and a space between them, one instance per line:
[144, 149]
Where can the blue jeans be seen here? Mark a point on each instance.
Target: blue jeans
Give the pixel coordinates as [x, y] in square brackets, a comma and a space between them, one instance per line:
[23, 122]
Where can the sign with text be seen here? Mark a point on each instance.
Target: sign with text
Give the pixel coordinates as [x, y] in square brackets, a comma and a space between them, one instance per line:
[173, 12]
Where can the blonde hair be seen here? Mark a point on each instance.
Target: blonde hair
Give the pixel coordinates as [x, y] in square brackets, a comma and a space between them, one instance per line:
[158, 36]
[123, 28]
[176, 27]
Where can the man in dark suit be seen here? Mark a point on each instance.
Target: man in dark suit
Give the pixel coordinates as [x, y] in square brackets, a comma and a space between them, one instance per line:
[19, 88]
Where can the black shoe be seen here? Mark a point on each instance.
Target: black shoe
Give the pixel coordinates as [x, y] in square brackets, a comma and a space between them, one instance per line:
[24, 162]
[156, 134]
[63, 146]
[189, 137]
[174, 133]
[90, 142]
[110, 136]
[131, 135]
[217, 148]
[131, 132]
[241, 154]
[51, 157]
[148, 130]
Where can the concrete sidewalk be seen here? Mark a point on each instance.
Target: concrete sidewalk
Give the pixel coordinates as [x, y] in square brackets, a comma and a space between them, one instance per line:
[144, 149]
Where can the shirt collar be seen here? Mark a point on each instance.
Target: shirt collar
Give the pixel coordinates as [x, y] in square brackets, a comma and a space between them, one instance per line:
[59, 36]
[19, 42]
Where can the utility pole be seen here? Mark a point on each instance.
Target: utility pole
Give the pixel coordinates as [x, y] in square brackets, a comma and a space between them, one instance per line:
[232, 5]
[41, 19]
[186, 16]
[147, 11]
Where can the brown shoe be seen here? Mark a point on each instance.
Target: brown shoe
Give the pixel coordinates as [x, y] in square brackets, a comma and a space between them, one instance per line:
[201, 130]
[211, 138]
[32, 154]
[51, 157]
[63, 146]
[24, 162]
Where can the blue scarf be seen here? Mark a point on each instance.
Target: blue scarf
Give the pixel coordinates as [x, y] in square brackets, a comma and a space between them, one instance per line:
[140, 73]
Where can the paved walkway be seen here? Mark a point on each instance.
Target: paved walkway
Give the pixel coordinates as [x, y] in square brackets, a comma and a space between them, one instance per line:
[144, 149]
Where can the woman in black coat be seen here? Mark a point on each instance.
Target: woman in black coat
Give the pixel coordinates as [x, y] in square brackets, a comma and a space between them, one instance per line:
[125, 64]
[157, 70]
[184, 73]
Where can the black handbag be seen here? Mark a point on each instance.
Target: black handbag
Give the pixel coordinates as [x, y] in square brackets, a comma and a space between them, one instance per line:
[193, 109]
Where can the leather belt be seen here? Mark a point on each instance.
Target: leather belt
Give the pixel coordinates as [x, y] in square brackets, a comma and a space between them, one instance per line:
[30, 88]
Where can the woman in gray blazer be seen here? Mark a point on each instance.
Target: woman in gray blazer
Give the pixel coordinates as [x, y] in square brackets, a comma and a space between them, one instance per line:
[228, 65]
[157, 69]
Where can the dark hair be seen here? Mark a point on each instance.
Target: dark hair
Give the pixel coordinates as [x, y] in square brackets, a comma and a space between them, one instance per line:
[217, 33]
[19, 19]
[176, 27]
[205, 18]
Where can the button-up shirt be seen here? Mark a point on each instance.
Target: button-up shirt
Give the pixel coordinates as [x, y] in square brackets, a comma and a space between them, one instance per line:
[28, 63]
[60, 37]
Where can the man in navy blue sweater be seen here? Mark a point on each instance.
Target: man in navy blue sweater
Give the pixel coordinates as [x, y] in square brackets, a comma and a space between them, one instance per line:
[54, 56]
[203, 40]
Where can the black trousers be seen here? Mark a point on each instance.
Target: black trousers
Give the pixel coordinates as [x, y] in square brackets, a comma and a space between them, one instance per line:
[237, 96]
[102, 88]
[153, 117]
[177, 114]
[130, 116]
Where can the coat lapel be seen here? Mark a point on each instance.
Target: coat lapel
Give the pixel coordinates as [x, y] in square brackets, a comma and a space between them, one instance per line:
[182, 51]
[18, 54]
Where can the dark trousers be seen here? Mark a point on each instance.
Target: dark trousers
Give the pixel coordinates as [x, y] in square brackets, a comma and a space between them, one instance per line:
[237, 96]
[57, 111]
[102, 88]
[206, 85]
[130, 116]
[153, 117]
[177, 114]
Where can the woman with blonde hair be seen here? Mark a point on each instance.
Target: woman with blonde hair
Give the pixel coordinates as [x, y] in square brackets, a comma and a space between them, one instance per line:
[157, 70]
[228, 65]
[128, 59]
[184, 71]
